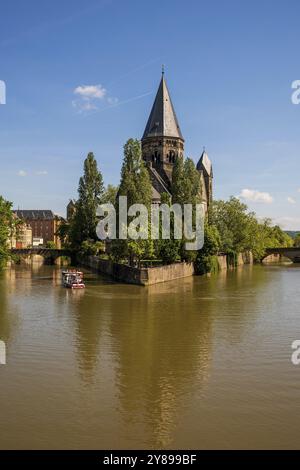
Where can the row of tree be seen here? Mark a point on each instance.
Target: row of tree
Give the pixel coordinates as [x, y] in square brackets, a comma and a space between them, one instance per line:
[230, 227]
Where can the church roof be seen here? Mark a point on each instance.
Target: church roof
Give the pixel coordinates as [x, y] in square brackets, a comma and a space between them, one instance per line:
[34, 214]
[205, 164]
[162, 120]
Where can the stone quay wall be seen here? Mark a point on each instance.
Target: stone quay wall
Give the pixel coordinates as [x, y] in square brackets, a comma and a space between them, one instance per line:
[150, 276]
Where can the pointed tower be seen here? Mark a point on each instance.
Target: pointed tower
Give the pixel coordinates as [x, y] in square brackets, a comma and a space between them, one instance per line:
[204, 166]
[162, 141]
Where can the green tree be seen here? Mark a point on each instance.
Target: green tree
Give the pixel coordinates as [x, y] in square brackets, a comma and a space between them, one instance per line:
[7, 229]
[135, 181]
[51, 245]
[240, 230]
[186, 189]
[167, 250]
[63, 232]
[90, 192]
[234, 223]
[110, 194]
[192, 187]
[206, 260]
[297, 240]
[178, 182]
[135, 184]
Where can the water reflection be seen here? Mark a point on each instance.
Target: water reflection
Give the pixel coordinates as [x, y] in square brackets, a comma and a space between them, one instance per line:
[162, 347]
[124, 366]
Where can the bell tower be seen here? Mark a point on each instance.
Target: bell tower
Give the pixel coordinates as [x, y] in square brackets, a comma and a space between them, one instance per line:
[162, 141]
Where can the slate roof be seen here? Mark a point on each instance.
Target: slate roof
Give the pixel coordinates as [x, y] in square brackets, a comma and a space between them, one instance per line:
[34, 214]
[205, 164]
[162, 120]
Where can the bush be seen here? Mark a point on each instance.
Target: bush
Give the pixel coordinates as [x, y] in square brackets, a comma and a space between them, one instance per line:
[51, 245]
[91, 248]
[205, 264]
[206, 260]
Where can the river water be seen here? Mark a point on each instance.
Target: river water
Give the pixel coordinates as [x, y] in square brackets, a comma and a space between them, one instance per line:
[194, 363]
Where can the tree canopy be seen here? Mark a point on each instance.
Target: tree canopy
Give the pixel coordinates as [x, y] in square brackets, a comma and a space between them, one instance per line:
[90, 192]
[7, 227]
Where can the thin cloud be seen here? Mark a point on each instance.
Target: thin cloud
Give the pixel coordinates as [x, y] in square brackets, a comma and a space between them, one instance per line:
[41, 172]
[22, 173]
[253, 195]
[288, 223]
[290, 200]
[120, 103]
[90, 96]
[91, 91]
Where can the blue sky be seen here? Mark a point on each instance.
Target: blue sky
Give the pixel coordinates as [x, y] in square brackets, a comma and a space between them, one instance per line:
[229, 67]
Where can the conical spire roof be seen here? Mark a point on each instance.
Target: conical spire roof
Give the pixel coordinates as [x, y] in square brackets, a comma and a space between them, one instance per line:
[205, 164]
[162, 120]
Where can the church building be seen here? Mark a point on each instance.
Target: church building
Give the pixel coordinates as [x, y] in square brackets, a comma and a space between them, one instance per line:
[163, 142]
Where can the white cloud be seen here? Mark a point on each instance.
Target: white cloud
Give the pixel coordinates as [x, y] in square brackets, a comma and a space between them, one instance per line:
[288, 223]
[290, 200]
[22, 173]
[91, 91]
[83, 105]
[89, 96]
[256, 196]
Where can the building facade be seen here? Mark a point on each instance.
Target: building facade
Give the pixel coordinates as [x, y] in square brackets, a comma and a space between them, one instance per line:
[21, 236]
[43, 223]
[163, 142]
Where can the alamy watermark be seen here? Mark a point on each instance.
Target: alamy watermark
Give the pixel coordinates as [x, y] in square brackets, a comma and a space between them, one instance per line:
[166, 222]
[295, 358]
[2, 92]
[295, 97]
[2, 353]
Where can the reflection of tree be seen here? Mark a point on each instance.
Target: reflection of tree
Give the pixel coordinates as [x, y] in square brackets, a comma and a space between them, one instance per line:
[157, 343]
[162, 344]
[90, 310]
[8, 313]
[235, 295]
[4, 317]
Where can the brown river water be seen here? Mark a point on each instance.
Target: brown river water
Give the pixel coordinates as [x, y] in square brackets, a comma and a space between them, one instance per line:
[195, 363]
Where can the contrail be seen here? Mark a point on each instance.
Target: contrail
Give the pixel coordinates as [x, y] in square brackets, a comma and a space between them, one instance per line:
[120, 103]
[137, 69]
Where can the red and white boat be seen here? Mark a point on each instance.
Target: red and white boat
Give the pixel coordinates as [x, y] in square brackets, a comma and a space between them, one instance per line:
[73, 279]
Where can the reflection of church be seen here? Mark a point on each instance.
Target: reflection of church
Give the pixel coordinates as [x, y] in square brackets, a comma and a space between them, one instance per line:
[163, 142]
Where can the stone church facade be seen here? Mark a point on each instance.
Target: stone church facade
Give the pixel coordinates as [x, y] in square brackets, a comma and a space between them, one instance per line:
[162, 143]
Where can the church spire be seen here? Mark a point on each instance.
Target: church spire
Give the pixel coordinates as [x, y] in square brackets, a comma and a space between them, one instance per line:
[162, 120]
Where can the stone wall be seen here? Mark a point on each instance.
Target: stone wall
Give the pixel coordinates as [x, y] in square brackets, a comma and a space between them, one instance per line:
[169, 272]
[225, 262]
[143, 276]
[150, 276]
[272, 259]
[222, 262]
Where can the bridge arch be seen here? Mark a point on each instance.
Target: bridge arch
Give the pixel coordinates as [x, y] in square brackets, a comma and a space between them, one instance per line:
[291, 253]
[48, 255]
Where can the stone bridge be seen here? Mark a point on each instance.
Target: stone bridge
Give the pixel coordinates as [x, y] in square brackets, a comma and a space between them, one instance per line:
[50, 255]
[292, 253]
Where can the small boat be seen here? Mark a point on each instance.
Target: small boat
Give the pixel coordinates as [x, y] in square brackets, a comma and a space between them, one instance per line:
[73, 279]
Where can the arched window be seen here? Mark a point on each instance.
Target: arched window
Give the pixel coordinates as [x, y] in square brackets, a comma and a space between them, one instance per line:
[171, 156]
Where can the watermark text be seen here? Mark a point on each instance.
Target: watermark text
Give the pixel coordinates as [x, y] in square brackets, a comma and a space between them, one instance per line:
[2, 92]
[2, 353]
